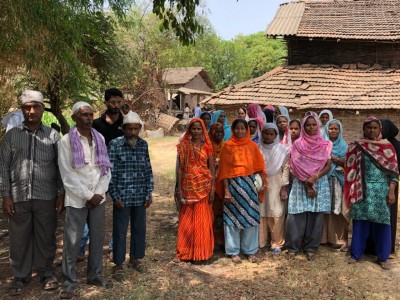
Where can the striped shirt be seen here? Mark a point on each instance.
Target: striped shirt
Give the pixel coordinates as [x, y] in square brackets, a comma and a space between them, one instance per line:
[29, 164]
[131, 173]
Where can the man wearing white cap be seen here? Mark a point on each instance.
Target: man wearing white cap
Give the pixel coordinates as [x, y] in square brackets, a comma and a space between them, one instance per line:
[84, 167]
[131, 189]
[32, 192]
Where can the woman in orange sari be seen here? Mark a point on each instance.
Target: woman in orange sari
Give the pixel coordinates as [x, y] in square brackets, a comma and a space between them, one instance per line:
[240, 161]
[195, 192]
[216, 135]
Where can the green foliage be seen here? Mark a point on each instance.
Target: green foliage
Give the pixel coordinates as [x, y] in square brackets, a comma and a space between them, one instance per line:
[229, 62]
[179, 15]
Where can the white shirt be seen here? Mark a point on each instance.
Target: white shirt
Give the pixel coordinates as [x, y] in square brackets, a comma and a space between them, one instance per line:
[81, 184]
[12, 120]
[197, 112]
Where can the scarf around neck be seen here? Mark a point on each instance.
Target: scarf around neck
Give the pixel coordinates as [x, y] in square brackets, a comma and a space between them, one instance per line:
[239, 157]
[78, 156]
[309, 152]
[274, 154]
[381, 153]
[339, 149]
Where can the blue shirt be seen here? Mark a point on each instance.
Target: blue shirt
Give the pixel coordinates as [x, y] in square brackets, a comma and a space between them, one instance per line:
[131, 173]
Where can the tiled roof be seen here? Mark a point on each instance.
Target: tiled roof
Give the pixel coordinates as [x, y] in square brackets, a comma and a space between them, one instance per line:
[354, 19]
[318, 86]
[181, 76]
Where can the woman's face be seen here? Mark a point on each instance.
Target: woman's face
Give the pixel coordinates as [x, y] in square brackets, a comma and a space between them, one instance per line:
[253, 127]
[333, 131]
[221, 118]
[282, 124]
[311, 126]
[241, 114]
[277, 112]
[294, 129]
[372, 130]
[269, 135]
[196, 130]
[324, 118]
[239, 131]
[218, 134]
[206, 119]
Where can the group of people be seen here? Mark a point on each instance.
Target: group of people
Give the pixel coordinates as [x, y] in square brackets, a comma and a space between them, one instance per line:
[268, 181]
[44, 174]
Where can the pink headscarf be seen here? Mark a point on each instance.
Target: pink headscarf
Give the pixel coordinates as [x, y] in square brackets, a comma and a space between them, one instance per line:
[254, 111]
[309, 152]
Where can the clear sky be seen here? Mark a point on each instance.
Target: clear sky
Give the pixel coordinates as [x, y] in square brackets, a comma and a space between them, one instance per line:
[231, 17]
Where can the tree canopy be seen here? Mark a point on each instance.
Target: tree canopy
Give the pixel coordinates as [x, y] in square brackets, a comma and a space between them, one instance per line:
[73, 49]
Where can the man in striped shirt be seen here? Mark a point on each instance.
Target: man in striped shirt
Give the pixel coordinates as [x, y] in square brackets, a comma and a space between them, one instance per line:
[33, 194]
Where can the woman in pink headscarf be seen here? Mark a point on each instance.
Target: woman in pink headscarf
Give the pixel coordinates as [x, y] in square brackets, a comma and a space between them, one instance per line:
[310, 197]
[254, 111]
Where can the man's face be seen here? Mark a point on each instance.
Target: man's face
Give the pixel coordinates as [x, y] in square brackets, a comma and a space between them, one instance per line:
[33, 112]
[83, 118]
[114, 105]
[131, 130]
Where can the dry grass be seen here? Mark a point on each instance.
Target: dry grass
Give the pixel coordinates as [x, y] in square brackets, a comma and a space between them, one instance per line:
[328, 277]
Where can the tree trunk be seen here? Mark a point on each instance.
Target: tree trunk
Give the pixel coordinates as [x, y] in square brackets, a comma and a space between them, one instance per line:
[55, 106]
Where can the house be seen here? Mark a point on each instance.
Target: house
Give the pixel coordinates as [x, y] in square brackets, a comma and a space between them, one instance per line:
[342, 55]
[186, 85]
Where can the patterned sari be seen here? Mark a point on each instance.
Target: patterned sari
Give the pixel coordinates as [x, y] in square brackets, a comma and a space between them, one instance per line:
[195, 230]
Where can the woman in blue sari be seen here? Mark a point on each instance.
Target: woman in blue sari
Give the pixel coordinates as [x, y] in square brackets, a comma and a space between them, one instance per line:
[220, 117]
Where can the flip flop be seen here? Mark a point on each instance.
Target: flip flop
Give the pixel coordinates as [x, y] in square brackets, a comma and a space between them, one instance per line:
[50, 283]
[66, 294]
[118, 274]
[16, 288]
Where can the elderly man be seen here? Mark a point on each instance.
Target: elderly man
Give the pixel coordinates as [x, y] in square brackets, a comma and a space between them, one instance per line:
[32, 194]
[84, 167]
[131, 190]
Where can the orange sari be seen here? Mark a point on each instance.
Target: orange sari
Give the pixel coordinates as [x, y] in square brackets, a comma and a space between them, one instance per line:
[195, 230]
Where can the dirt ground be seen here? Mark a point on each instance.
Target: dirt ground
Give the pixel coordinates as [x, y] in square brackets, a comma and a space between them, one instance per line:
[328, 277]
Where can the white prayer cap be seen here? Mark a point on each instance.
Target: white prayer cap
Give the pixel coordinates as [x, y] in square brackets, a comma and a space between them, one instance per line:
[31, 96]
[132, 118]
[78, 105]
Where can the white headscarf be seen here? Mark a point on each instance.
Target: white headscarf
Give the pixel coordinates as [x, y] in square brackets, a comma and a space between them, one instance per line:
[132, 118]
[78, 105]
[31, 96]
[274, 154]
[329, 113]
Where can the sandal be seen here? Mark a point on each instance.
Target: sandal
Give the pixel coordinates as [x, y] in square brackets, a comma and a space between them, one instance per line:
[311, 256]
[384, 265]
[137, 265]
[344, 248]
[291, 255]
[118, 274]
[66, 293]
[101, 282]
[236, 259]
[16, 288]
[252, 258]
[50, 283]
[352, 261]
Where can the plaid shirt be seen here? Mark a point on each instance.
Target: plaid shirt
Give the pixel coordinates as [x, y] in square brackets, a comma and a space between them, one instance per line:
[131, 173]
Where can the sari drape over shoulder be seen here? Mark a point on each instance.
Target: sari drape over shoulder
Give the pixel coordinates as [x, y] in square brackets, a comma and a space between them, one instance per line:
[195, 231]
[239, 157]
